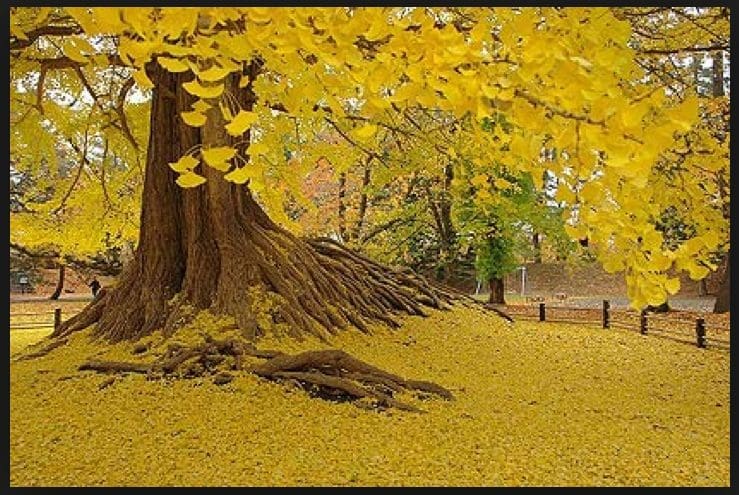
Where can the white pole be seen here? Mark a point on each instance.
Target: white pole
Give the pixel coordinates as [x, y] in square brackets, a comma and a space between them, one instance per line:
[523, 280]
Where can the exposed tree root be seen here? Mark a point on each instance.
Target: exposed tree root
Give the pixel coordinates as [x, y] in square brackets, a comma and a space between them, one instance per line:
[499, 312]
[44, 351]
[315, 287]
[329, 374]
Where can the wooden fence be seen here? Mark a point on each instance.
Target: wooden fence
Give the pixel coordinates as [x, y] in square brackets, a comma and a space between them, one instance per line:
[675, 327]
[696, 332]
[54, 321]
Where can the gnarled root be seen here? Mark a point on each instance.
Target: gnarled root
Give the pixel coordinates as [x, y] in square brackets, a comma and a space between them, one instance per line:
[43, 351]
[329, 374]
[315, 287]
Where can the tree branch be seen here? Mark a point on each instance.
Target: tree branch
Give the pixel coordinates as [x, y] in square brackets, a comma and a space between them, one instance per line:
[83, 156]
[19, 44]
[122, 114]
[685, 49]
[103, 267]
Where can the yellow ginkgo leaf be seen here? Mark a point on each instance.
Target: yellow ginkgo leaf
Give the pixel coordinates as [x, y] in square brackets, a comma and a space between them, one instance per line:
[259, 15]
[172, 64]
[213, 74]
[379, 103]
[241, 123]
[73, 49]
[142, 79]
[75, 54]
[100, 59]
[366, 131]
[239, 175]
[672, 285]
[697, 271]
[479, 180]
[193, 119]
[686, 114]
[218, 157]
[228, 64]
[612, 264]
[190, 179]
[184, 164]
[195, 88]
[200, 106]
[656, 297]
[256, 149]
[18, 32]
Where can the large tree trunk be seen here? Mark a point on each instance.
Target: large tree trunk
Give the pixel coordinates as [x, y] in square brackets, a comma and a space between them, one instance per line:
[59, 285]
[723, 298]
[497, 291]
[213, 247]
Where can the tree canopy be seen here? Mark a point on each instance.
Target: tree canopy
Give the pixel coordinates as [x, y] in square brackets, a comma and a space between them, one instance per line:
[511, 92]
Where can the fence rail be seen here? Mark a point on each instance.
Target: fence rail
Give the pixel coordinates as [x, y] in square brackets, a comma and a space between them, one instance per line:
[639, 322]
[31, 325]
[696, 332]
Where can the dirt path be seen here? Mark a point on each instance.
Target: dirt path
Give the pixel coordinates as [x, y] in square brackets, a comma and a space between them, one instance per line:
[678, 303]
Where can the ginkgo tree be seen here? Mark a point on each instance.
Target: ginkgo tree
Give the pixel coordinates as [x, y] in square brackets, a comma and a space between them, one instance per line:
[76, 151]
[227, 84]
[692, 182]
[81, 198]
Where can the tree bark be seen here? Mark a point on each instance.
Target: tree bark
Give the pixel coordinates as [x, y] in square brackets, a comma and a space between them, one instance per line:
[497, 291]
[723, 298]
[702, 288]
[52, 259]
[59, 285]
[213, 247]
[660, 308]
[718, 74]
[342, 207]
[537, 247]
[362, 209]
[441, 207]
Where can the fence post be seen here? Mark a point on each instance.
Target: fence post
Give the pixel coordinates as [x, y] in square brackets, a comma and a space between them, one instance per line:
[57, 318]
[700, 332]
[542, 312]
[643, 322]
[606, 314]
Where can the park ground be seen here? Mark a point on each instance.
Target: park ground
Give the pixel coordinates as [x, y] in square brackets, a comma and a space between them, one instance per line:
[536, 404]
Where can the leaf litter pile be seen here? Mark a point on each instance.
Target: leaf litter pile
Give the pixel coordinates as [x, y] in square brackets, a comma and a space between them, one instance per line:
[531, 404]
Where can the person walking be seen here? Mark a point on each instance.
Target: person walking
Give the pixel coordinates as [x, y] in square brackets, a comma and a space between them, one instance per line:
[95, 286]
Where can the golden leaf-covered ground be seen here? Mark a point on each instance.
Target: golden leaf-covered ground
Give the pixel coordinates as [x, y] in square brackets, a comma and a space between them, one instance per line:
[536, 404]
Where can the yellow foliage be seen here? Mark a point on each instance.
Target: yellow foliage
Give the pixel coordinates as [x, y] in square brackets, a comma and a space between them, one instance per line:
[194, 118]
[184, 164]
[567, 79]
[218, 157]
[241, 122]
[173, 64]
[190, 179]
[195, 88]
